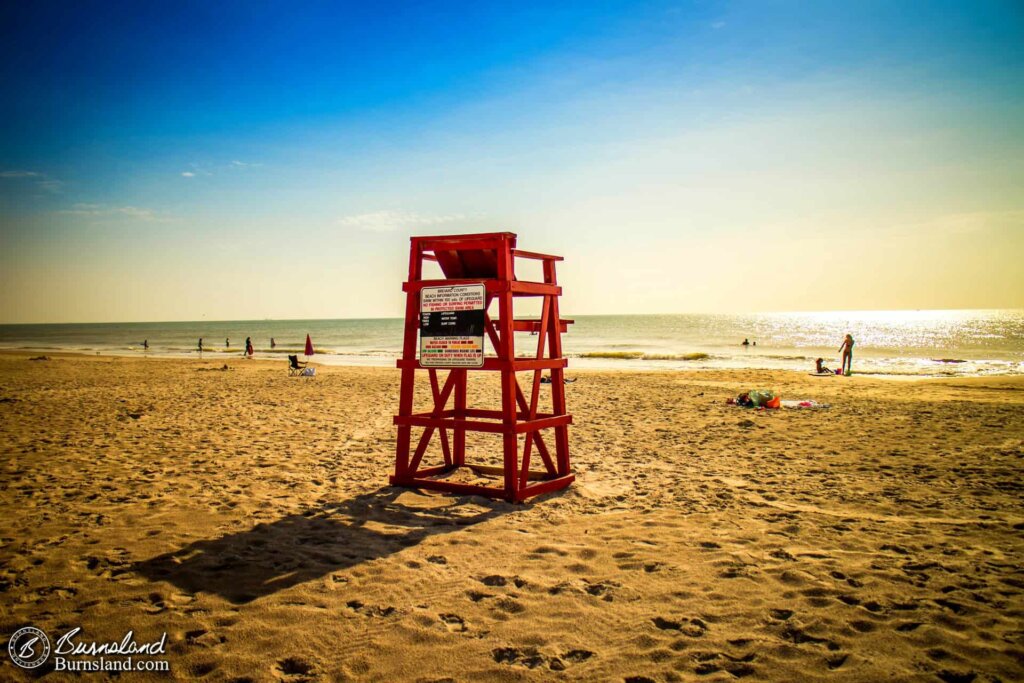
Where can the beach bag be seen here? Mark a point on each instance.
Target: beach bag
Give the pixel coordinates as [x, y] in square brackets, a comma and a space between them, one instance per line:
[309, 372]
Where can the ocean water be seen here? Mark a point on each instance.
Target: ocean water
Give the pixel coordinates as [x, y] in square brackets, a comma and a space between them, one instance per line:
[910, 343]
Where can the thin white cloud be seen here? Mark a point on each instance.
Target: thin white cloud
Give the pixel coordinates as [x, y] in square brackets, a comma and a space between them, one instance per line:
[50, 185]
[203, 169]
[390, 221]
[40, 180]
[717, 25]
[197, 170]
[105, 211]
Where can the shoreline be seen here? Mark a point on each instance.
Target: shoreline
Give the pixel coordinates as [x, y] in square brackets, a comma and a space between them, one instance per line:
[349, 360]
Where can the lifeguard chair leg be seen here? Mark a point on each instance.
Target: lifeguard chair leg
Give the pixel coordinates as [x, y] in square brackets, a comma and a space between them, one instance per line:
[510, 441]
[459, 440]
[509, 385]
[557, 375]
[405, 401]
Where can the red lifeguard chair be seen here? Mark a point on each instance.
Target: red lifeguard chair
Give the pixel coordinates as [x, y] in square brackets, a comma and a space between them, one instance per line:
[450, 318]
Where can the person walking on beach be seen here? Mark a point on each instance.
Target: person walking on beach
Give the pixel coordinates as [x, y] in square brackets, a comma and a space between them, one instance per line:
[847, 354]
[248, 347]
[145, 345]
[200, 346]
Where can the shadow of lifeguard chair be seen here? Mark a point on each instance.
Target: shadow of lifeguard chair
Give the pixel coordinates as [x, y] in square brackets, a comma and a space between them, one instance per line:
[479, 269]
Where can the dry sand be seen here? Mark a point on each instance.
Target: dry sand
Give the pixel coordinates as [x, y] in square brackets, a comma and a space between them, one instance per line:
[246, 514]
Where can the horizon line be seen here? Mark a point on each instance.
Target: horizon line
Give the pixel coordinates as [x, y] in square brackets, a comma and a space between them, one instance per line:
[578, 315]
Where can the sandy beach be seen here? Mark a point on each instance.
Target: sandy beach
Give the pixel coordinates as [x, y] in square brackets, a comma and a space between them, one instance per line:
[246, 514]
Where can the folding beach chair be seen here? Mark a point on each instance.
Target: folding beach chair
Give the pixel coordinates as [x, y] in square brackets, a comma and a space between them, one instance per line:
[294, 366]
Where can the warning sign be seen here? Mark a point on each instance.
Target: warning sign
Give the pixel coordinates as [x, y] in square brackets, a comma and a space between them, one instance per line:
[452, 326]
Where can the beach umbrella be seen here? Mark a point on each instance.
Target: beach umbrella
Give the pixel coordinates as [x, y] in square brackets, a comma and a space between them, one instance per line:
[309, 347]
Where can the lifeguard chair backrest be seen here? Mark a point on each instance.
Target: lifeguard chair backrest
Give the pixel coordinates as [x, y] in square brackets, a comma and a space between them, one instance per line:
[461, 257]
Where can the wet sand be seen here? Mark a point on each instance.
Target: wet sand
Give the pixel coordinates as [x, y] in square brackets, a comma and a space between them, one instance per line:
[246, 513]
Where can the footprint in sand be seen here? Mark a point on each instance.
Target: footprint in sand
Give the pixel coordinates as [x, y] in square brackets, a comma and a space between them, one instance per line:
[601, 588]
[509, 606]
[862, 626]
[293, 666]
[836, 661]
[204, 638]
[59, 592]
[873, 606]
[734, 569]
[454, 623]
[780, 554]
[156, 604]
[531, 657]
[577, 656]
[954, 607]
[799, 636]
[370, 610]
[200, 669]
[496, 580]
[908, 626]
[694, 628]
[740, 670]
[713, 662]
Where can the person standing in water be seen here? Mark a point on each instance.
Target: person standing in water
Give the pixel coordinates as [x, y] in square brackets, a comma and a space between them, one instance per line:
[145, 345]
[200, 346]
[847, 355]
[273, 344]
[248, 347]
[746, 342]
[227, 342]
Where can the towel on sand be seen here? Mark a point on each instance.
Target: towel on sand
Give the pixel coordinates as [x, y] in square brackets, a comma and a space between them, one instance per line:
[803, 404]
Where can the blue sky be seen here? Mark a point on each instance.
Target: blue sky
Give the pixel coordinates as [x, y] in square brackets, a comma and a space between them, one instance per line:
[251, 160]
